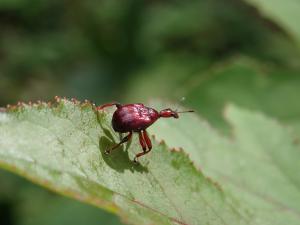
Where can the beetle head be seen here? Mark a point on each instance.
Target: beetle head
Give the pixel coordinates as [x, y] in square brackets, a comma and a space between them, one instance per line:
[168, 113]
[171, 113]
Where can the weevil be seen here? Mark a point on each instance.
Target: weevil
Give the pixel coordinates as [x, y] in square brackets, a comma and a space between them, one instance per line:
[137, 118]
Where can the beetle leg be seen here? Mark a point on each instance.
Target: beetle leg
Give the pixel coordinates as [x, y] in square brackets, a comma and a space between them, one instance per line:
[108, 105]
[125, 139]
[147, 139]
[142, 141]
[143, 135]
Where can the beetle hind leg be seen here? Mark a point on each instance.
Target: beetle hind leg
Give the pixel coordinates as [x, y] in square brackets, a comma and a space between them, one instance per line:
[147, 139]
[144, 140]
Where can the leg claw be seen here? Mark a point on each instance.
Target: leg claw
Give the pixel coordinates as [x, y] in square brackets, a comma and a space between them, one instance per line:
[135, 160]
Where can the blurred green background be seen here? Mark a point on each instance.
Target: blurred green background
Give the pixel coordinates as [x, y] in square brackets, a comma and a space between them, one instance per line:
[201, 54]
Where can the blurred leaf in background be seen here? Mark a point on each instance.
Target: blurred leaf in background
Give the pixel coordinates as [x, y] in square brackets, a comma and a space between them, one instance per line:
[243, 81]
[261, 72]
[50, 48]
[26, 204]
[61, 48]
[284, 13]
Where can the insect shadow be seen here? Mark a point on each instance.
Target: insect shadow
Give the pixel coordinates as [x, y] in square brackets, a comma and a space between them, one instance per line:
[118, 159]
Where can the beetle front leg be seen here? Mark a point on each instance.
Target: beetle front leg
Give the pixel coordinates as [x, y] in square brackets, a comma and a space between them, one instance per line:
[118, 105]
[125, 139]
[146, 141]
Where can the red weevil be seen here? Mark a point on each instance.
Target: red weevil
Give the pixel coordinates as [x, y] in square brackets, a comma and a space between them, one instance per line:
[137, 118]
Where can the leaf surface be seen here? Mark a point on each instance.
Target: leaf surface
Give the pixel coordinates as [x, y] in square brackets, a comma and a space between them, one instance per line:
[259, 163]
[62, 148]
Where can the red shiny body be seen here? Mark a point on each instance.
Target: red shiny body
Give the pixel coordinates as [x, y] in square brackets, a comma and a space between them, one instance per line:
[137, 118]
[133, 117]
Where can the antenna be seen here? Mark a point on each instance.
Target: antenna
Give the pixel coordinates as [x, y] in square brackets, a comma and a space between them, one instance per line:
[185, 111]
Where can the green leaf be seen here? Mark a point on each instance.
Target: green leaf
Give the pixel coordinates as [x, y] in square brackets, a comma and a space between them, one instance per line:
[284, 13]
[241, 81]
[17, 194]
[248, 84]
[259, 164]
[61, 147]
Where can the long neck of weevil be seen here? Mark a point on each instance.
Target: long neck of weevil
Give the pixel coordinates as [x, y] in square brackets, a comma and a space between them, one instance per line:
[154, 115]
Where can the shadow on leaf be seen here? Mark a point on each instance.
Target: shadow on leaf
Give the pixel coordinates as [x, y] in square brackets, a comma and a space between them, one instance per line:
[118, 159]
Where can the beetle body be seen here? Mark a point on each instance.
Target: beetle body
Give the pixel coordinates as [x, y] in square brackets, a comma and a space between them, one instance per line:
[131, 118]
